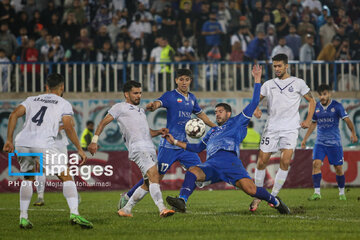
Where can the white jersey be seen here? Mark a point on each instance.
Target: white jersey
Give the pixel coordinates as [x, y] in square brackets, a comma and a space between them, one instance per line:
[43, 115]
[134, 127]
[283, 101]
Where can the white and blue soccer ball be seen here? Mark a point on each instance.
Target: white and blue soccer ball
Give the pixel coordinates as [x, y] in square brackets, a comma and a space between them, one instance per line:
[195, 128]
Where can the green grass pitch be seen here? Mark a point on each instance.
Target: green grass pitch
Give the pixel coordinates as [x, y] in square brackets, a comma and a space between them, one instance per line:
[211, 215]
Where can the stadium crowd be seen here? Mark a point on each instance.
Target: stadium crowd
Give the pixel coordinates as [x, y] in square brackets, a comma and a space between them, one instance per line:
[189, 30]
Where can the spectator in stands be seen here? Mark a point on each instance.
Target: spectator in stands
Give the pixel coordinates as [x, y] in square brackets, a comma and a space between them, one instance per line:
[44, 50]
[35, 24]
[186, 52]
[307, 54]
[20, 50]
[169, 24]
[114, 29]
[212, 31]
[102, 18]
[313, 5]
[243, 35]
[294, 15]
[166, 56]
[237, 54]
[343, 53]
[84, 37]
[235, 14]
[121, 19]
[271, 39]
[71, 26]
[124, 34]
[4, 71]
[21, 22]
[89, 10]
[328, 53]
[354, 38]
[78, 11]
[136, 29]
[22, 32]
[31, 54]
[53, 26]
[257, 49]
[56, 51]
[252, 139]
[155, 56]
[101, 37]
[305, 27]
[327, 31]
[200, 20]
[282, 48]
[321, 20]
[138, 51]
[41, 41]
[145, 17]
[341, 33]
[47, 13]
[223, 16]
[294, 42]
[121, 55]
[7, 41]
[87, 135]
[282, 28]
[186, 24]
[7, 12]
[158, 6]
[265, 24]
[257, 15]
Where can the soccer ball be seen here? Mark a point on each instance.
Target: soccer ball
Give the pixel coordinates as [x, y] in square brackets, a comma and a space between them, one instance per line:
[195, 128]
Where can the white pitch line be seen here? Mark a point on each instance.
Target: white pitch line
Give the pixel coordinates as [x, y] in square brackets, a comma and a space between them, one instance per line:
[33, 209]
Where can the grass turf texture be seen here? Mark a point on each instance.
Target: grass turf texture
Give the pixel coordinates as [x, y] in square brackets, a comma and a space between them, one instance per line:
[210, 215]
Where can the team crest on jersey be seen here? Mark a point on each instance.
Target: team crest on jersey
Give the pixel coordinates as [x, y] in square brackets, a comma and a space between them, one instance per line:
[291, 89]
[317, 110]
[179, 100]
[333, 110]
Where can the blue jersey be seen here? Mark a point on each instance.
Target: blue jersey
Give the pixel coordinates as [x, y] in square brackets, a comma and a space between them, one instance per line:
[327, 119]
[179, 109]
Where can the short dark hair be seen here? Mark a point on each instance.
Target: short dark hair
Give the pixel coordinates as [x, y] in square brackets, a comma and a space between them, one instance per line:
[226, 106]
[323, 87]
[281, 57]
[89, 122]
[54, 80]
[183, 72]
[250, 124]
[130, 84]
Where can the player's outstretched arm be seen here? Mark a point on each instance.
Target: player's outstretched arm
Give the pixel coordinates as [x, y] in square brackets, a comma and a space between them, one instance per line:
[153, 106]
[206, 119]
[170, 138]
[351, 127]
[71, 133]
[18, 112]
[93, 145]
[162, 132]
[251, 107]
[308, 133]
[197, 147]
[306, 123]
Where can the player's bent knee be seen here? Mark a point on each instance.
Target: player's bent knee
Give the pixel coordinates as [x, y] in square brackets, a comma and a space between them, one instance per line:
[247, 185]
[339, 170]
[317, 164]
[200, 175]
[153, 175]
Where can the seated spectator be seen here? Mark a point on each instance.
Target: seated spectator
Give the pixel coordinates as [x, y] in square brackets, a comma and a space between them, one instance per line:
[7, 41]
[44, 50]
[294, 15]
[305, 27]
[257, 49]
[237, 53]
[145, 17]
[282, 48]
[41, 41]
[282, 28]
[186, 52]
[307, 54]
[22, 32]
[101, 37]
[321, 20]
[265, 24]
[138, 51]
[53, 26]
[186, 24]
[243, 35]
[343, 53]
[31, 54]
[294, 42]
[212, 31]
[271, 39]
[78, 11]
[121, 19]
[136, 29]
[71, 26]
[114, 29]
[328, 53]
[56, 51]
[102, 18]
[169, 24]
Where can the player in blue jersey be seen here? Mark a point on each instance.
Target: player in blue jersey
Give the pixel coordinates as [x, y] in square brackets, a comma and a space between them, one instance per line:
[327, 114]
[180, 104]
[222, 146]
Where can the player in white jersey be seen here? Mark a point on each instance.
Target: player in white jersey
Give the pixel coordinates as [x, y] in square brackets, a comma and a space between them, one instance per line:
[137, 137]
[283, 95]
[43, 115]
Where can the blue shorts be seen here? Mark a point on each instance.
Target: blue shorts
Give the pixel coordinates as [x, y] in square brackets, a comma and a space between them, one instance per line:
[334, 154]
[167, 156]
[224, 166]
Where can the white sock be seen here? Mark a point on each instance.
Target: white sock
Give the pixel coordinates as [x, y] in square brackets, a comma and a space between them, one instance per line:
[259, 177]
[280, 179]
[341, 191]
[40, 187]
[71, 195]
[135, 198]
[317, 190]
[26, 192]
[156, 195]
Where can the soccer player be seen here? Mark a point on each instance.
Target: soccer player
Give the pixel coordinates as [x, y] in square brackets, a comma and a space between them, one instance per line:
[327, 114]
[283, 95]
[43, 114]
[180, 104]
[137, 137]
[222, 160]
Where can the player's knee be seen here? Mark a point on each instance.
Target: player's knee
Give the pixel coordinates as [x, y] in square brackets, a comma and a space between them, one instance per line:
[316, 165]
[249, 189]
[338, 170]
[198, 173]
[153, 175]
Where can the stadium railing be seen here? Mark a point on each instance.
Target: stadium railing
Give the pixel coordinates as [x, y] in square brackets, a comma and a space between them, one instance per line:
[208, 76]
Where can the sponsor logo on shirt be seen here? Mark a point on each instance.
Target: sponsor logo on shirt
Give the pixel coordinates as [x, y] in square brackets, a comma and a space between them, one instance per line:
[179, 100]
[333, 110]
[317, 110]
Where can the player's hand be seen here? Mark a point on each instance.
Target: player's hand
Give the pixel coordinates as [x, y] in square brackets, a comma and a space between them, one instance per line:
[256, 73]
[303, 144]
[83, 156]
[8, 147]
[257, 113]
[170, 138]
[150, 107]
[305, 124]
[164, 131]
[353, 138]
[92, 148]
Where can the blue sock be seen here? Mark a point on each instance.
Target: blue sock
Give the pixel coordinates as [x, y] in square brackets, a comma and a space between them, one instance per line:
[340, 181]
[262, 194]
[132, 190]
[316, 180]
[188, 186]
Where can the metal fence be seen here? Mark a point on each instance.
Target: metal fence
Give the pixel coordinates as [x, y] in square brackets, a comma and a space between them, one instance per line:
[208, 76]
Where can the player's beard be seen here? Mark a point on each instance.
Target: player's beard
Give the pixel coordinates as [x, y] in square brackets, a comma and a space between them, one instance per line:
[280, 76]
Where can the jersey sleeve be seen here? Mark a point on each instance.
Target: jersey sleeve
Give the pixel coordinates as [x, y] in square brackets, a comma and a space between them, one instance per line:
[67, 109]
[264, 89]
[26, 103]
[164, 100]
[115, 111]
[304, 89]
[196, 109]
[341, 111]
[314, 117]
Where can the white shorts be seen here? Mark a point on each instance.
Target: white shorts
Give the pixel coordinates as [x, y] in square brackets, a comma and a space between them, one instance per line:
[272, 141]
[52, 163]
[144, 160]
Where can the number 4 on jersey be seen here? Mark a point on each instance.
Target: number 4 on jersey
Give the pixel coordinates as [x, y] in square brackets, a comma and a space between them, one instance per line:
[39, 116]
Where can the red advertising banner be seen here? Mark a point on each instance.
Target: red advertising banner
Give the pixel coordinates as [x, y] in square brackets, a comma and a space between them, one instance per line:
[113, 171]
